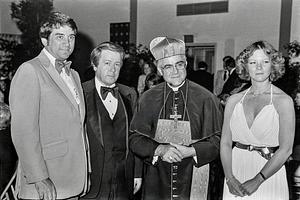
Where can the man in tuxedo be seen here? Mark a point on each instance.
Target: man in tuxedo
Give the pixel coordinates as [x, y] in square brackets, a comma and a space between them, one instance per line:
[47, 108]
[110, 107]
[233, 84]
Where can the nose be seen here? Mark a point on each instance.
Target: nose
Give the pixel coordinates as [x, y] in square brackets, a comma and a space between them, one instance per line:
[67, 41]
[259, 65]
[113, 68]
[175, 70]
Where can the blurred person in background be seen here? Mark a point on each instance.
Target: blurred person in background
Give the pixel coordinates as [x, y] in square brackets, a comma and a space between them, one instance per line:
[152, 80]
[147, 69]
[292, 85]
[233, 83]
[221, 77]
[8, 155]
[202, 77]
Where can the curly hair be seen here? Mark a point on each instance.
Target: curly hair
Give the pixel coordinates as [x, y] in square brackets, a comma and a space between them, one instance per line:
[277, 60]
[293, 48]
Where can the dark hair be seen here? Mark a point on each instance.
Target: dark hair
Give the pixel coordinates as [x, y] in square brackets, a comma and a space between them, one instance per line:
[154, 78]
[54, 21]
[96, 53]
[202, 65]
[4, 115]
[229, 61]
[151, 66]
[277, 60]
[293, 48]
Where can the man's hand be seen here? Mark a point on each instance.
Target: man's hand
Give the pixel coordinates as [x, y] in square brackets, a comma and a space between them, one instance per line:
[46, 189]
[137, 185]
[184, 150]
[168, 153]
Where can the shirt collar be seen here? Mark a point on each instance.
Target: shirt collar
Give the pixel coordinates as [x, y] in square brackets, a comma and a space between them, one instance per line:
[50, 57]
[99, 84]
[230, 72]
[175, 89]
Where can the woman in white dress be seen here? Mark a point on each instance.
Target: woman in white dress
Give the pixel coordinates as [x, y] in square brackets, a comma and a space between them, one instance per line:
[258, 130]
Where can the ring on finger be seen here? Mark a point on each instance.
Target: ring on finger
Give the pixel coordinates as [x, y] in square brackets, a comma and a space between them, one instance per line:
[170, 157]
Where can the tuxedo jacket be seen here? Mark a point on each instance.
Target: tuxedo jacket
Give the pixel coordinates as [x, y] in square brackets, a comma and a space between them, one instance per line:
[95, 135]
[47, 130]
[232, 82]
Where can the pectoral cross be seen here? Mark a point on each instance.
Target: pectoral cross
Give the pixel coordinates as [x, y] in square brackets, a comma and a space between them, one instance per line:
[175, 116]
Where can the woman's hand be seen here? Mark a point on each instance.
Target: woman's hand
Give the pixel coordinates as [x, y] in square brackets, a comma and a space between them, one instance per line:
[253, 184]
[235, 187]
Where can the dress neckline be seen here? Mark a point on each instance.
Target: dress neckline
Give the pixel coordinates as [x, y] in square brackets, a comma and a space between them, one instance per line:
[261, 110]
[271, 95]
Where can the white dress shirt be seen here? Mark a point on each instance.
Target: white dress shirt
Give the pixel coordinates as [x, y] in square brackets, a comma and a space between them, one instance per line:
[110, 103]
[68, 79]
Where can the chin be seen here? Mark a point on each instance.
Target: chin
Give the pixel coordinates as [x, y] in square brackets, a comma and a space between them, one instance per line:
[175, 84]
[110, 82]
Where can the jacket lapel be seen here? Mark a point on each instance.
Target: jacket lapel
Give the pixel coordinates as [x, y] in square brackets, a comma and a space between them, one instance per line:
[93, 116]
[61, 85]
[77, 82]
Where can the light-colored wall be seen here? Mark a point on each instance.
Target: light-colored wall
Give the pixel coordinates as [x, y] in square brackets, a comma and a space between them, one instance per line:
[247, 21]
[295, 24]
[93, 17]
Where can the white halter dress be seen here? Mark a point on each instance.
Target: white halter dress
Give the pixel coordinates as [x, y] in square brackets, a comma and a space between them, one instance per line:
[246, 164]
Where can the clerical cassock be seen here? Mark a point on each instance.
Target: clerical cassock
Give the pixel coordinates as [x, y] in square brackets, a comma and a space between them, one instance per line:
[189, 115]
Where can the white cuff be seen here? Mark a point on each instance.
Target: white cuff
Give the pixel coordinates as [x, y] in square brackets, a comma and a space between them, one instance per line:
[155, 158]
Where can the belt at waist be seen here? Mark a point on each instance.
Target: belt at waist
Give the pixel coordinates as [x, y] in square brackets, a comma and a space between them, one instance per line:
[265, 152]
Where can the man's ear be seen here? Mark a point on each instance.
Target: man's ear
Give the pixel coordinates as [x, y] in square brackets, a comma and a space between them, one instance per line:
[44, 41]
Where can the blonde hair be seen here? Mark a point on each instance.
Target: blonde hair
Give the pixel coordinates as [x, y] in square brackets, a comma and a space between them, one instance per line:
[277, 60]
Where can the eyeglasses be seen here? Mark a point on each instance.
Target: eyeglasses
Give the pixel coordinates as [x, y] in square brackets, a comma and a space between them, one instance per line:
[180, 65]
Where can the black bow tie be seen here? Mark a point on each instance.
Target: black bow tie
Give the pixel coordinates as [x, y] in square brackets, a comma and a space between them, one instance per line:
[61, 64]
[105, 90]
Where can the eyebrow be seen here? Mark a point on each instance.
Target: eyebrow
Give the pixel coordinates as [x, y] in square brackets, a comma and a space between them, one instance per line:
[175, 63]
[73, 34]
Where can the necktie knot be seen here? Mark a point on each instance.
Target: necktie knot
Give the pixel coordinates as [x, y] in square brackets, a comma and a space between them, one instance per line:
[59, 65]
[105, 90]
